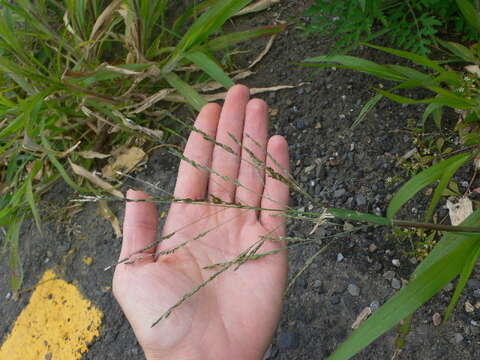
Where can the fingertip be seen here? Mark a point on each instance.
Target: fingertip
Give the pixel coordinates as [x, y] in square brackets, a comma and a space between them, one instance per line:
[257, 105]
[240, 89]
[278, 142]
[211, 109]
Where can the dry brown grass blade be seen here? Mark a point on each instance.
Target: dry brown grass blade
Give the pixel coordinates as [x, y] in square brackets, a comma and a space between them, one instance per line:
[104, 20]
[264, 52]
[213, 85]
[93, 155]
[132, 37]
[152, 100]
[221, 96]
[80, 171]
[156, 134]
[108, 215]
[258, 6]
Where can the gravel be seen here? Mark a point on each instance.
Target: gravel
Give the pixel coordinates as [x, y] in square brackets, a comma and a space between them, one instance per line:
[389, 275]
[353, 290]
[396, 284]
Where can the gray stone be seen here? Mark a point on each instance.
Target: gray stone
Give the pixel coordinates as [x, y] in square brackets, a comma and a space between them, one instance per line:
[374, 306]
[287, 340]
[353, 290]
[473, 284]
[389, 275]
[396, 284]
[360, 200]
[340, 257]
[335, 300]
[476, 293]
[339, 193]
[458, 338]
[317, 284]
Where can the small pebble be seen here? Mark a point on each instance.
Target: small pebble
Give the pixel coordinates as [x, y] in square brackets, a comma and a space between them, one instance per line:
[448, 287]
[476, 293]
[360, 200]
[317, 284]
[458, 338]
[389, 275]
[474, 323]
[340, 257]
[8, 296]
[396, 262]
[374, 306]
[335, 300]
[469, 307]
[372, 247]
[353, 290]
[396, 284]
[437, 319]
[339, 193]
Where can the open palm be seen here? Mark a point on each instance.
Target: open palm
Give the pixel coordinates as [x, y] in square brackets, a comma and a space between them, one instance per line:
[235, 315]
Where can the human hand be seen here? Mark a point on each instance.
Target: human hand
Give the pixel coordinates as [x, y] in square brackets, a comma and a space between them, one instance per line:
[235, 315]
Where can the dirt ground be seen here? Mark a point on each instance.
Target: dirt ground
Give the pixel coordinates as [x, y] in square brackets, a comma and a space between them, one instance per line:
[350, 169]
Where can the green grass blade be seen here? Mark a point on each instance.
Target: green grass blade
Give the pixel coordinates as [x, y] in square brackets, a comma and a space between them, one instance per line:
[459, 50]
[469, 13]
[359, 216]
[448, 173]
[359, 64]
[436, 110]
[366, 109]
[205, 63]
[210, 21]
[14, 260]
[225, 41]
[189, 93]
[419, 181]
[407, 300]
[417, 59]
[59, 166]
[464, 276]
[449, 242]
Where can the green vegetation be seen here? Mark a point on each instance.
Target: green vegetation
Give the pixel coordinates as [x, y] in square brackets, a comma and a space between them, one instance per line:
[410, 25]
[454, 84]
[80, 77]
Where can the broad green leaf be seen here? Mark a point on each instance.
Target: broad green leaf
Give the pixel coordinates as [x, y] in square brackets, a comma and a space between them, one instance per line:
[417, 59]
[406, 301]
[208, 65]
[359, 64]
[359, 216]
[189, 93]
[419, 181]
[469, 13]
[470, 262]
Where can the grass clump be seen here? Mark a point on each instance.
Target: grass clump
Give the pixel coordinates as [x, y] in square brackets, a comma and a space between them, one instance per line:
[79, 78]
[410, 25]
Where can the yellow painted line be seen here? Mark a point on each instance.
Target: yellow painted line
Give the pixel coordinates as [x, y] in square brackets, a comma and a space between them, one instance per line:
[57, 324]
